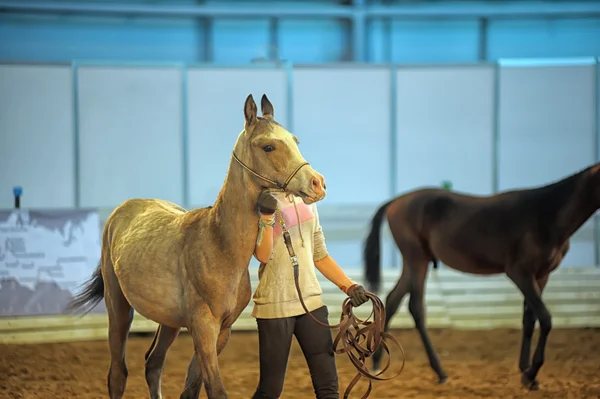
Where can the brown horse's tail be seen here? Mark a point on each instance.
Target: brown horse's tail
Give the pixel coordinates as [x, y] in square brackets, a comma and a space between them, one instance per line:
[372, 250]
[90, 296]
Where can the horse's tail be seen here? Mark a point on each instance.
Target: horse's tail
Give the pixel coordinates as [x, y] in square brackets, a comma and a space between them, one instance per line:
[90, 296]
[372, 251]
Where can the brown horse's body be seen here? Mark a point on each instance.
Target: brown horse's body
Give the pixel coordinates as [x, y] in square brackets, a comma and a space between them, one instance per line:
[522, 233]
[190, 268]
[141, 232]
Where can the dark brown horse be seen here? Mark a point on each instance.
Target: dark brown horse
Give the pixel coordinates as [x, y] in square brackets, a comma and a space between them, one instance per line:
[523, 233]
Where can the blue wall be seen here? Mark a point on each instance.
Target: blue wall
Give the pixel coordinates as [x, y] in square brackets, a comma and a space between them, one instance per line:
[55, 37]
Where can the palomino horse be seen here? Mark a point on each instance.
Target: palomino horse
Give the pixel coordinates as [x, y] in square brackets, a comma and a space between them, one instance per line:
[523, 233]
[190, 269]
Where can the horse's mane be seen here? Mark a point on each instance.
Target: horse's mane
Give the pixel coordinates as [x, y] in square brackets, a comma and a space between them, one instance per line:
[554, 195]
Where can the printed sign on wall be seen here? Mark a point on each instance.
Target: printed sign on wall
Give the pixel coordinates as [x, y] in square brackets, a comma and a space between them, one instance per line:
[45, 257]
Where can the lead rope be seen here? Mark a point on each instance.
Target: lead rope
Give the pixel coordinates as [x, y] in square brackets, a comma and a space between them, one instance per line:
[350, 334]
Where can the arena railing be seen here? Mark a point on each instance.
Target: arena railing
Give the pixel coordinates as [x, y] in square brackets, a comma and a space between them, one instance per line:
[350, 222]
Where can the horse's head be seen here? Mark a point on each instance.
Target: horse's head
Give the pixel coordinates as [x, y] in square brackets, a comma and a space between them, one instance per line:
[270, 154]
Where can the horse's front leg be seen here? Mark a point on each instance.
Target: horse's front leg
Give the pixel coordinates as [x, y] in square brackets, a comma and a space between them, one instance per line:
[193, 380]
[529, 319]
[206, 334]
[525, 281]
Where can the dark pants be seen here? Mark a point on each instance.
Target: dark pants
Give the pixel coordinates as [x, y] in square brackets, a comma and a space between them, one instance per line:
[275, 339]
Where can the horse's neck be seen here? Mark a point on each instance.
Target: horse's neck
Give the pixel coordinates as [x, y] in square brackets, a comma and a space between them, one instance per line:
[234, 213]
[574, 203]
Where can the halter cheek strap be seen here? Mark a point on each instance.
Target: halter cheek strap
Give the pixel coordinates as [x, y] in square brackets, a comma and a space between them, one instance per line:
[281, 186]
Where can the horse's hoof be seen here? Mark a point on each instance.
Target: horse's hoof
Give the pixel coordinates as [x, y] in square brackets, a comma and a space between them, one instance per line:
[443, 379]
[529, 384]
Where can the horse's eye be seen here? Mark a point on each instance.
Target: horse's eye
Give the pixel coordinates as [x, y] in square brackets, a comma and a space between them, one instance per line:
[268, 148]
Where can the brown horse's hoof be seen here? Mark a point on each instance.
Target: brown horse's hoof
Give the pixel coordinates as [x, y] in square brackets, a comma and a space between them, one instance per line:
[529, 384]
[443, 379]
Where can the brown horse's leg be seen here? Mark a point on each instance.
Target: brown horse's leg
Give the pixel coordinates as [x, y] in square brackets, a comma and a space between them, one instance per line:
[418, 274]
[193, 380]
[120, 316]
[204, 366]
[392, 303]
[155, 358]
[531, 291]
[529, 319]
[152, 344]
[223, 339]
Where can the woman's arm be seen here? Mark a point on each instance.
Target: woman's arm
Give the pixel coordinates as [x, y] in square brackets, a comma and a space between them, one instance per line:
[266, 205]
[334, 273]
[264, 242]
[331, 270]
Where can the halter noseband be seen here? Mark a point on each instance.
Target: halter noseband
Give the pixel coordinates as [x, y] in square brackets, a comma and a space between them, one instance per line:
[281, 186]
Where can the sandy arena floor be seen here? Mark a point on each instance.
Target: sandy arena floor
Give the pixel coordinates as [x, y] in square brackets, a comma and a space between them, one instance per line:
[479, 364]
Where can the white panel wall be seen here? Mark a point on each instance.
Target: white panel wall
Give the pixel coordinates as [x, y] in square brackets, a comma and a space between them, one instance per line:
[130, 128]
[546, 122]
[36, 136]
[130, 134]
[445, 127]
[342, 117]
[216, 99]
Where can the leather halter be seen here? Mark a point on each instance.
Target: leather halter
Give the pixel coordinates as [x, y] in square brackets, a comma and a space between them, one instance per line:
[281, 186]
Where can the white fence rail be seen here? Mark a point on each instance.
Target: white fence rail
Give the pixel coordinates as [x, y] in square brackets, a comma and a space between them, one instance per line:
[453, 300]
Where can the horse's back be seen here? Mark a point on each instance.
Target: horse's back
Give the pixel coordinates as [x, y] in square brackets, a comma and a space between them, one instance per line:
[151, 209]
[426, 205]
[143, 219]
[455, 216]
[131, 206]
[436, 205]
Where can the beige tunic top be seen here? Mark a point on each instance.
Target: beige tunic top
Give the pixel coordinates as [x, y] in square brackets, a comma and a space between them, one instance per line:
[276, 294]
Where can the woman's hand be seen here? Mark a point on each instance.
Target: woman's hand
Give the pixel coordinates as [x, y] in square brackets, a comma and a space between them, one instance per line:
[357, 295]
[266, 203]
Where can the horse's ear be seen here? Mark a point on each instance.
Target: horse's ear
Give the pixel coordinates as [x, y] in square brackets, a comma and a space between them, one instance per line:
[250, 110]
[266, 107]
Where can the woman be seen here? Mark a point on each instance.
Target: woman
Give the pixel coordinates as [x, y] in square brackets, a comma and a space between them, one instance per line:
[277, 309]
